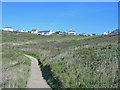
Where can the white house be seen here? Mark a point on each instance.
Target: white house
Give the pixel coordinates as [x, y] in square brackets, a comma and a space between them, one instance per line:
[62, 32]
[53, 32]
[91, 34]
[84, 34]
[72, 32]
[20, 31]
[46, 32]
[26, 31]
[116, 31]
[105, 33]
[8, 29]
[34, 31]
[109, 32]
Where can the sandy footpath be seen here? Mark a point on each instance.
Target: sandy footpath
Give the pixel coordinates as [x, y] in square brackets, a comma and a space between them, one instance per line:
[35, 78]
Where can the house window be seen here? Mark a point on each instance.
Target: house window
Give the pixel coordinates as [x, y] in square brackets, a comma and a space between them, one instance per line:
[46, 33]
[71, 33]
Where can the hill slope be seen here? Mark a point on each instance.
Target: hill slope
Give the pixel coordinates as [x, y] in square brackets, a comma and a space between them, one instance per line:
[70, 61]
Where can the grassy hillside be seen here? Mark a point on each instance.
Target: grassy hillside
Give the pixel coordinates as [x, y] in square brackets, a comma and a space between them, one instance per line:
[24, 37]
[68, 61]
[15, 66]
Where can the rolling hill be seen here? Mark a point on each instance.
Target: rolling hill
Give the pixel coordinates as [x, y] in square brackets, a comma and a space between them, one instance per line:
[66, 61]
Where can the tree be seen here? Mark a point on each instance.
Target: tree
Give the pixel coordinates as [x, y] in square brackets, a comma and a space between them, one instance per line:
[57, 32]
[93, 34]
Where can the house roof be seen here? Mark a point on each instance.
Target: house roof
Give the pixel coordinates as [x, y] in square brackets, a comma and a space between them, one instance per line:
[8, 27]
[44, 31]
[71, 30]
[34, 29]
[20, 30]
[84, 34]
[115, 31]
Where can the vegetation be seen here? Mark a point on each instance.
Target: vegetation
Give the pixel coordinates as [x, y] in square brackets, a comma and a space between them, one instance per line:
[57, 32]
[67, 61]
[15, 67]
[25, 37]
[93, 34]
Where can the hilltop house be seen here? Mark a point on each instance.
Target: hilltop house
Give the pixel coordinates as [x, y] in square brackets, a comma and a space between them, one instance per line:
[109, 32]
[8, 29]
[91, 34]
[72, 32]
[105, 33]
[62, 32]
[46, 32]
[26, 31]
[115, 31]
[34, 31]
[84, 34]
[53, 32]
[20, 31]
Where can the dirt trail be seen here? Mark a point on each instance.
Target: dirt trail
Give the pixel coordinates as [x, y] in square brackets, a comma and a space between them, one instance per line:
[35, 78]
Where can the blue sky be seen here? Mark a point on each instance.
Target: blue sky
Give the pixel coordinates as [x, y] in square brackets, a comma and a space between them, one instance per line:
[60, 0]
[83, 17]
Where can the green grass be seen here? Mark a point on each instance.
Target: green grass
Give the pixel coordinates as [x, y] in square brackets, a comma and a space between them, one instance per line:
[73, 61]
[16, 37]
[15, 68]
